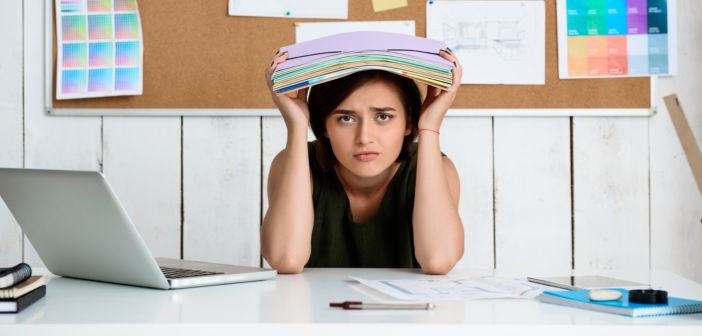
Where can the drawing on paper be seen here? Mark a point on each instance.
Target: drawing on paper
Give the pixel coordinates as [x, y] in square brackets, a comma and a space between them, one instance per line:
[508, 39]
[501, 42]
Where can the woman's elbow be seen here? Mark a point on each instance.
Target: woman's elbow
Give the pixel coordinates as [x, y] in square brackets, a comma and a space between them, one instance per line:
[441, 265]
[287, 266]
[438, 267]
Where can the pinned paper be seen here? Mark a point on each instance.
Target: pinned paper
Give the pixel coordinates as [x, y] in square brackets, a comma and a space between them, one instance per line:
[310, 9]
[100, 48]
[307, 31]
[382, 5]
[634, 38]
[496, 42]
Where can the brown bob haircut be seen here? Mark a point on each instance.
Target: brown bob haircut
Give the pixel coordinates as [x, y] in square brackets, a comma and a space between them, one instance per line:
[326, 97]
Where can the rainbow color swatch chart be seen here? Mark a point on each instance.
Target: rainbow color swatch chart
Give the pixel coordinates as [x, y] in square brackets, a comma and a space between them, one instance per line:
[100, 48]
[617, 38]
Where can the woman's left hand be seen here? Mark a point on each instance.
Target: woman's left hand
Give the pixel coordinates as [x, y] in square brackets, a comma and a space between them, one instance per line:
[435, 106]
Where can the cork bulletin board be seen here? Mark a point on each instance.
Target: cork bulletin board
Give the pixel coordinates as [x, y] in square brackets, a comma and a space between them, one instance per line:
[196, 56]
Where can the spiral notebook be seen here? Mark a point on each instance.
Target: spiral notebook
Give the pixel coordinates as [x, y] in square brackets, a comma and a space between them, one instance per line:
[581, 299]
[14, 275]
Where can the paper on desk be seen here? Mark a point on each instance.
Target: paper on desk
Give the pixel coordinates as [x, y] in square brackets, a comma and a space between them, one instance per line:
[319, 9]
[497, 42]
[313, 30]
[474, 288]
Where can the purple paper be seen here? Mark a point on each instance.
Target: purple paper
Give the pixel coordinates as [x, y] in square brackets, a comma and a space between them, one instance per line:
[637, 24]
[636, 7]
[415, 47]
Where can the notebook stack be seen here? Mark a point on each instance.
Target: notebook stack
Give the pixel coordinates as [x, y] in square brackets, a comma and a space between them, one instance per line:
[19, 289]
[328, 58]
[580, 299]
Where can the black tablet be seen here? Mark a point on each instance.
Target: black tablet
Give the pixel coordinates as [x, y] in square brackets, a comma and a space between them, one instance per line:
[585, 282]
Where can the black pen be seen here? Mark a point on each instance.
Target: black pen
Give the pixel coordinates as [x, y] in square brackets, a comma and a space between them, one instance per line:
[361, 305]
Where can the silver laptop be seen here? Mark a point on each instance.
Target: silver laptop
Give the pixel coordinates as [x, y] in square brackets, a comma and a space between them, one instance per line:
[79, 228]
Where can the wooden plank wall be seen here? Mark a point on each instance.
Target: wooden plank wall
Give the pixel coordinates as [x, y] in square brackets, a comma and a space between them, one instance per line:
[676, 230]
[597, 193]
[11, 121]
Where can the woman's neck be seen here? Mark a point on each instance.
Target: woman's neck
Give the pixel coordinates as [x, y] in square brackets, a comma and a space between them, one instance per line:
[361, 186]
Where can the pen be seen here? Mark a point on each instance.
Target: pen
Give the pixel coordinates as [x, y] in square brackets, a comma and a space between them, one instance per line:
[361, 305]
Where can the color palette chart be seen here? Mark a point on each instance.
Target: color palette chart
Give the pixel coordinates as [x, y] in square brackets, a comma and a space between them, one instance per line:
[617, 38]
[100, 48]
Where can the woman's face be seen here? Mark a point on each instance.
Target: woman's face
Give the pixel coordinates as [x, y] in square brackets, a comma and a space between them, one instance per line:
[366, 131]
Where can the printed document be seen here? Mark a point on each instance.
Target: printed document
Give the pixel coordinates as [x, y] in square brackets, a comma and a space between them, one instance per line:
[473, 288]
[306, 31]
[497, 42]
[310, 9]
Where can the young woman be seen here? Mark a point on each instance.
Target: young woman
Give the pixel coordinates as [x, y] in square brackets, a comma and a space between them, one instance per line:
[364, 194]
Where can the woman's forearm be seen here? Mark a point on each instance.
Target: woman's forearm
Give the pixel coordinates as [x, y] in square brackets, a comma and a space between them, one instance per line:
[287, 227]
[438, 231]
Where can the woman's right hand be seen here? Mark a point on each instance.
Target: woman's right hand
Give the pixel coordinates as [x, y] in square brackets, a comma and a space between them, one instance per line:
[294, 110]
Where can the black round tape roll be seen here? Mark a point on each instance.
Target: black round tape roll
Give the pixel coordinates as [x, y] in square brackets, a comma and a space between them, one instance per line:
[649, 296]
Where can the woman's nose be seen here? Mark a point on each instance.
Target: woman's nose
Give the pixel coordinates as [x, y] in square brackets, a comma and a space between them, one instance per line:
[365, 132]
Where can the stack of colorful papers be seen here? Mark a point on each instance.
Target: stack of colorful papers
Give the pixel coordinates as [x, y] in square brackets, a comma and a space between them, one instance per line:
[328, 58]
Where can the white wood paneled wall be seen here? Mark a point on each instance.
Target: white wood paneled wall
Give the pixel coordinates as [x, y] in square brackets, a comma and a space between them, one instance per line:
[10, 121]
[610, 187]
[532, 192]
[222, 189]
[141, 159]
[49, 142]
[593, 193]
[676, 206]
[468, 143]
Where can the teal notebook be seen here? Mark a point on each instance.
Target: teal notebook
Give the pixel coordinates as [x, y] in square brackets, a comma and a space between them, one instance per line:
[581, 299]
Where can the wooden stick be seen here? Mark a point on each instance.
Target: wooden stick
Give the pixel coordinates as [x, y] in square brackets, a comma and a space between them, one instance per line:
[687, 139]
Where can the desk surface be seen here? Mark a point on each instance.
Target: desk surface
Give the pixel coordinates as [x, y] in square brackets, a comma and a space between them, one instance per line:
[304, 298]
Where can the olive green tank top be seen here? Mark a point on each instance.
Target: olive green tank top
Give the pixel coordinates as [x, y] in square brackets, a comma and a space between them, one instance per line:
[386, 240]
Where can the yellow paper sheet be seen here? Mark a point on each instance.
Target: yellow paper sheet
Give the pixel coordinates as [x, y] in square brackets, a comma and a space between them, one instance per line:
[381, 5]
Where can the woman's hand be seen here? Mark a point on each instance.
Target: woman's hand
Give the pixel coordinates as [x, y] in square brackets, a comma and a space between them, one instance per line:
[435, 106]
[294, 110]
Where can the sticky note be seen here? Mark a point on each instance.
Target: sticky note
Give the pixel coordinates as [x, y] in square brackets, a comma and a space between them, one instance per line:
[382, 5]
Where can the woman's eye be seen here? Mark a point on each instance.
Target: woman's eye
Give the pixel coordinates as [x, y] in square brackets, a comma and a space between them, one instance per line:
[346, 119]
[384, 117]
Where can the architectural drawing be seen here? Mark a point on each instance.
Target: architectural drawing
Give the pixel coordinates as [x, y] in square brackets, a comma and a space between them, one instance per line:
[510, 39]
[503, 41]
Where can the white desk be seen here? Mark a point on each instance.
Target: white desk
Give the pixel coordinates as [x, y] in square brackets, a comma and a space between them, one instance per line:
[300, 304]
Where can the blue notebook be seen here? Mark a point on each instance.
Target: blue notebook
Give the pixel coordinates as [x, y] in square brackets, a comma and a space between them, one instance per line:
[581, 299]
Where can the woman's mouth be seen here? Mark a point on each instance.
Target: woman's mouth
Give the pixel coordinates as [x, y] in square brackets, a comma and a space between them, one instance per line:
[368, 155]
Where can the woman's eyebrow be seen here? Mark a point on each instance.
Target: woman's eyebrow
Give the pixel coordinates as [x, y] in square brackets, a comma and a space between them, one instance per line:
[344, 112]
[382, 109]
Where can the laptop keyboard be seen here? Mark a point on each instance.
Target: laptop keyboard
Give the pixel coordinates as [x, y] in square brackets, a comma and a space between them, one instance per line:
[177, 273]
